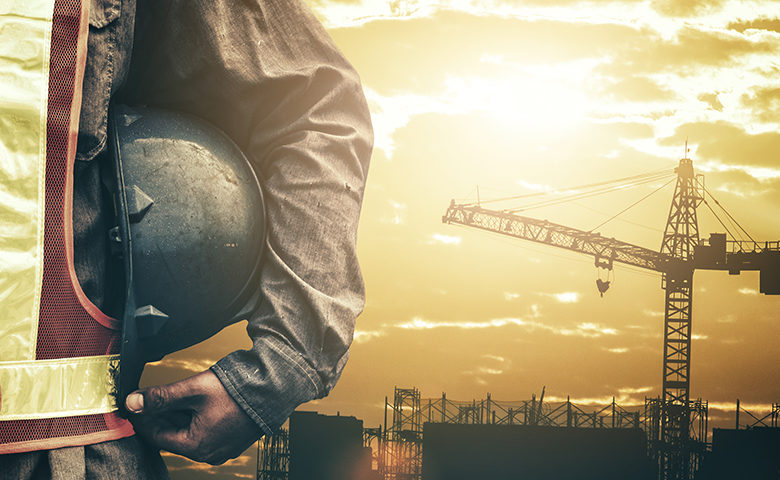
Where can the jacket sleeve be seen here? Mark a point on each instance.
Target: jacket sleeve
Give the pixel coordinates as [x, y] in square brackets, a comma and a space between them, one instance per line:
[269, 75]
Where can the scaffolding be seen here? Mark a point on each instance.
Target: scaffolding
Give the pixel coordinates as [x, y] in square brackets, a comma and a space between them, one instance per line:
[372, 439]
[529, 412]
[273, 456]
[397, 446]
[688, 450]
[401, 447]
[752, 420]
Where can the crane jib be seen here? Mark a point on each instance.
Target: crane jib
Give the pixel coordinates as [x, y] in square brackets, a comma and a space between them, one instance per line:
[708, 255]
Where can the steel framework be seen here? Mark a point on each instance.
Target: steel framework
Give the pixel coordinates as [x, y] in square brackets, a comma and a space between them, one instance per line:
[401, 448]
[688, 451]
[372, 439]
[529, 412]
[274, 451]
[770, 419]
[273, 456]
[681, 237]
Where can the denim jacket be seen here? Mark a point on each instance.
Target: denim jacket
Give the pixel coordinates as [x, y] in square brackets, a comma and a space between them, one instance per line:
[267, 74]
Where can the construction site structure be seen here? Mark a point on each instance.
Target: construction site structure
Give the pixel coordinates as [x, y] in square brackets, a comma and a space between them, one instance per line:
[676, 443]
[397, 446]
[273, 456]
[401, 454]
[747, 451]
[401, 442]
[750, 420]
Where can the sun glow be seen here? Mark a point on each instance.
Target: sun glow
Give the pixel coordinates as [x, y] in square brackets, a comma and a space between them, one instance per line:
[536, 97]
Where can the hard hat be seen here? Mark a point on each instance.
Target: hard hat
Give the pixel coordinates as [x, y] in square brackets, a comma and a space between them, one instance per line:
[191, 230]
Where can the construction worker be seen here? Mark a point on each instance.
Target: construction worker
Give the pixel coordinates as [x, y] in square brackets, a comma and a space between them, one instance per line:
[265, 73]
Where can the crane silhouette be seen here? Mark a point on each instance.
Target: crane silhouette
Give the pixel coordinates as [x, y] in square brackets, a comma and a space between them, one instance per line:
[682, 252]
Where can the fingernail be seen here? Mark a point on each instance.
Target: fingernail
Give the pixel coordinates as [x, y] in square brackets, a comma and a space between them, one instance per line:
[135, 402]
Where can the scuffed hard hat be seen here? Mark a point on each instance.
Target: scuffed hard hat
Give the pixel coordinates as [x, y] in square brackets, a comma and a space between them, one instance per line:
[191, 230]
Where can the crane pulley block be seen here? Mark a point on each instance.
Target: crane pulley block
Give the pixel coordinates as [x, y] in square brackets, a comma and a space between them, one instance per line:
[603, 262]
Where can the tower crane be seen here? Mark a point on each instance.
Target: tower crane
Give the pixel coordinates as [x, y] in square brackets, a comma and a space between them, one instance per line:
[681, 253]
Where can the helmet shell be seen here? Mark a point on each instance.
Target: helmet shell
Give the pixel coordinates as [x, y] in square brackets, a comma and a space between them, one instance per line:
[196, 250]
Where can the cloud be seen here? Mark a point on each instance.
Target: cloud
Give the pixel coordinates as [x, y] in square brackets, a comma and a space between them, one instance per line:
[732, 406]
[764, 102]
[686, 8]
[635, 390]
[684, 54]
[418, 54]
[531, 99]
[360, 12]
[769, 24]
[497, 358]
[634, 89]
[624, 400]
[748, 291]
[509, 296]
[729, 318]
[617, 350]
[419, 323]
[438, 238]
[481, 371]
[398, 215]
[626, 397]
[242, 466]
[565, 297]
[489, 371]
[731, 147]
[363, 336]
[585, 329]
[712, 100]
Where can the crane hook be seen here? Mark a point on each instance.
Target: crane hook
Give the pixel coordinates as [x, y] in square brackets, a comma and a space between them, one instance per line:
[602, 285]
[606, 264]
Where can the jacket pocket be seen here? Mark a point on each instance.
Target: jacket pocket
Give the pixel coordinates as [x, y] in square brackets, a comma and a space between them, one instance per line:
[103, 12]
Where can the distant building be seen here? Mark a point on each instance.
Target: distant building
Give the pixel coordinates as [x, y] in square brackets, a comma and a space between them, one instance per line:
[742, 454]
[511, 452]
[327, 448]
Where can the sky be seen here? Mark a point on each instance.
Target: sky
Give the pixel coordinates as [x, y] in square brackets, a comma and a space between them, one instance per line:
[520, 97]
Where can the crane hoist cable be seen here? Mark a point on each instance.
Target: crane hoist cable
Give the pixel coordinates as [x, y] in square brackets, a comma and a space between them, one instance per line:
[632, 205]
[718, 218]
[630, 222]
[588, 194]
[728, 214]
[578, 189]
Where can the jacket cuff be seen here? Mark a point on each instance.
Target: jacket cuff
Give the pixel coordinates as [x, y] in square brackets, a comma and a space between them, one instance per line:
[268, 382]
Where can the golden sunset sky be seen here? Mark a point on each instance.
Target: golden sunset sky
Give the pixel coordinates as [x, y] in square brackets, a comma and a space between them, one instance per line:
[529, 96]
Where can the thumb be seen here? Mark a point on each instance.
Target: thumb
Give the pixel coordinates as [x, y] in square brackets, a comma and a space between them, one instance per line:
[155, 399]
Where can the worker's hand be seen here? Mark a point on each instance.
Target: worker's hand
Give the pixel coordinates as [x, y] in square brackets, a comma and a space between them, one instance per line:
[195, 417]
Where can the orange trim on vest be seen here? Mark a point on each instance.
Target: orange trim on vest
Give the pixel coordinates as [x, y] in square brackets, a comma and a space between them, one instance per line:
[122, 429]
[75, 111]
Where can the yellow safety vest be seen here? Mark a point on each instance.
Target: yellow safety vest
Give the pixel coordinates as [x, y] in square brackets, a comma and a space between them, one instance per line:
[57, 350]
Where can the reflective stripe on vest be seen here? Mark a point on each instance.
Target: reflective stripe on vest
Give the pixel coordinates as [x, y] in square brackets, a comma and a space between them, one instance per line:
[57, 388]
[57, 350]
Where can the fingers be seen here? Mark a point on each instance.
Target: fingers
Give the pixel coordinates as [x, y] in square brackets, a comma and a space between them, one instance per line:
[164, 415]
[177, 395]
[195, 418]
[166, 436]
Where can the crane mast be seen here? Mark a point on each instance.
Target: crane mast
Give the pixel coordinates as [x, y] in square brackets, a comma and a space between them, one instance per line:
[681, 237]
[682, 252]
